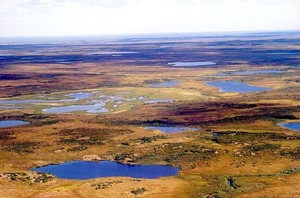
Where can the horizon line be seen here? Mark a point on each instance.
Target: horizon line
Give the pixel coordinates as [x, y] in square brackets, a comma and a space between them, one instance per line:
[153, 33]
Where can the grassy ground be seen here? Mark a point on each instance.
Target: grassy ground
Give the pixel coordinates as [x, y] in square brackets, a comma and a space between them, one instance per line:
[237, 151]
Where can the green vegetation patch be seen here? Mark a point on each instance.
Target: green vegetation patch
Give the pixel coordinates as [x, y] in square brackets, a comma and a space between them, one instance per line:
[138, 191]
[261, 147]
[128, 157]
[292, 153]
[104, 185]
[83, 137]
[230, 137]
[99, 134]
[151, 139]
[89, 141]
[22, 147]
[77, 148]
[178, 154]
[28, 178]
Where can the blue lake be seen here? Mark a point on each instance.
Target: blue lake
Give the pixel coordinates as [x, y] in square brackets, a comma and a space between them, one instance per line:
[170, 129]
[94, 108]
[251, 72]
[171, 83]
[233, 86]
[191, 64]
[12, 123]
[88, 170]
[80, 95]
[291, 125]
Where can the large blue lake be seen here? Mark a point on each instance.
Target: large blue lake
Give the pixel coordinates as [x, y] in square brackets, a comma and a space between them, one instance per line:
[291, 125]
[170, 129]
[88, 170]
[233, 86]
[12, 123]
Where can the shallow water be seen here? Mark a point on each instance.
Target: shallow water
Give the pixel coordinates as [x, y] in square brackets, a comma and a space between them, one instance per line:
[170, 83]
[233, 86]
[73, 96]
[170, 129]
[90, 105]
[94, 108]
[191, 64]
[251, 72]
[110, 53]
[291, 125]
[154, 101]
[10, 107]
[88, 170]
[12, 123]
[80, 95]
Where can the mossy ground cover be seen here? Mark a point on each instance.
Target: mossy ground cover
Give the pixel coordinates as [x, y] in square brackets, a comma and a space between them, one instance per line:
[238, 149]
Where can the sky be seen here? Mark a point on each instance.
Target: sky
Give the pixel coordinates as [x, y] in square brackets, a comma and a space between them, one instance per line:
[105, 17]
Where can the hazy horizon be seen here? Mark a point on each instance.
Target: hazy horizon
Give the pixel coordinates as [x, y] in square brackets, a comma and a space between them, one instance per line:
[163, 34]
[30, 18]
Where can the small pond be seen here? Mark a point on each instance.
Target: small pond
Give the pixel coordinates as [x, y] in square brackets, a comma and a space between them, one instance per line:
[88, 170]
[12, 123]
[251, 72]
[94, 108]
[80, 95]
[171, 83]
[233, 86]
[191, 64]
[291, 125]
[170, 129]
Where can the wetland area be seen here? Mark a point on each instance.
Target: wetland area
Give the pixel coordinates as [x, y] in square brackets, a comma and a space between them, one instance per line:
[170, 116]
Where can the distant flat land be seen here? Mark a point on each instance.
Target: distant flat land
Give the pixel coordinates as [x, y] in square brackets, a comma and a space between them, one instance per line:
[95, 98]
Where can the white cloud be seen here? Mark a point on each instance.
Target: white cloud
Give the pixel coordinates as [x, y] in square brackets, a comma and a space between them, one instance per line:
[78, 17]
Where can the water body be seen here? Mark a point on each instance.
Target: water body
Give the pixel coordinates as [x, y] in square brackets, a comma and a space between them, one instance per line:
[88, 170]
[291, 125]
[94, 108]
[10, 107]
[110, 53]
[12, 123]
[233, 86]
[80, 95]
[251, 72]
[154, 101]
[73, 96]
[283, 53]
[170, 129]
[191, 64]
[171, 83]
